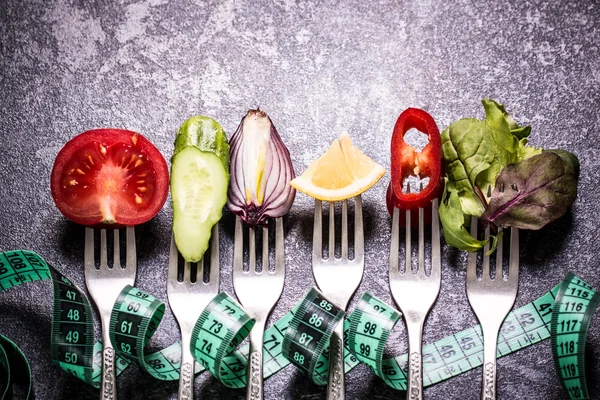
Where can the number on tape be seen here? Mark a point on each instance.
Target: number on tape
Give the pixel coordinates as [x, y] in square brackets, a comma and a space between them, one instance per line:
[300, 337]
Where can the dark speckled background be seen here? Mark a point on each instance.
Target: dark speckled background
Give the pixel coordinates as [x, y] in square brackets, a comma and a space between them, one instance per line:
[317, 68]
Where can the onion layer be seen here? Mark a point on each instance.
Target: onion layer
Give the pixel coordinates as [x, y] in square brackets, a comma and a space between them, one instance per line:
[261, 171]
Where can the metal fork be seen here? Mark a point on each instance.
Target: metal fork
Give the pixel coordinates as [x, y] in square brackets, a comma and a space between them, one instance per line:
[491, 300]
[187, 300]
[338, 279]
[257, 292]
[415, 293]
[104, 285]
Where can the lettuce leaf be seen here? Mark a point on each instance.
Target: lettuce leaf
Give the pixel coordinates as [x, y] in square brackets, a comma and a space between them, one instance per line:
[475, 152]
[454, 223]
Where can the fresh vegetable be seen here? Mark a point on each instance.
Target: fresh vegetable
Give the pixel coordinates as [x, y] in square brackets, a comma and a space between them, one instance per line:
[342, 172]
[261, 171]
[109, 177]
[406, 161]
[481, 155]
[537, 190]
[199, 180]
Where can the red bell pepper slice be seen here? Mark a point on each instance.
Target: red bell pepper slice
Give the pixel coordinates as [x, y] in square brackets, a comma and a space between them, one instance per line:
[407, 161]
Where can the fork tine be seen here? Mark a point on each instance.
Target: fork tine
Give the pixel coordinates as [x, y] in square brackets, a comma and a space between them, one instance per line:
[187, 270]
[238, 246]
[131, 249]
[331, 230]
[486, 258]
[499, 256]
[513, 268]
[394, 246]
[88, 256]
[318, 232]
[116, 250]
[421, 269]
[173, 260]
[214, 257]
[103, 249]
[345, 229]
[252, 249]
[265, 250]
[436, 257]
[359, 237]
[472, 257]
[279, 248]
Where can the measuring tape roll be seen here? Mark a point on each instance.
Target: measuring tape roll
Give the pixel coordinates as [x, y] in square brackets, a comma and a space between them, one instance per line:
[222, 326]
[307, 338]
[575, 304]
[73, 347]
[13, 359]
[370, 324]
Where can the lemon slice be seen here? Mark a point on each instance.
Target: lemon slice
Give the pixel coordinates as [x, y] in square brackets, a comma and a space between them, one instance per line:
[342, 172]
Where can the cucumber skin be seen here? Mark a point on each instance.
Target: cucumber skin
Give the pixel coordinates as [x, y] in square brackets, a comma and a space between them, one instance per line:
[192, 244]
[206, 134]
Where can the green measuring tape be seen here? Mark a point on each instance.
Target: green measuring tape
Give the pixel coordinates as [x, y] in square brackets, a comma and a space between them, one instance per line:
[570, 322]
[300, 337]
[368, 328]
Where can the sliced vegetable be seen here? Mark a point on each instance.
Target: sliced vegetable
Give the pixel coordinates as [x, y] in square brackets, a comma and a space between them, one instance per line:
[110, 177]
[342, 172]
[199, 192]
[406, 161]
[206, 134]
[261, 171]
[537, 191]
[199, 182]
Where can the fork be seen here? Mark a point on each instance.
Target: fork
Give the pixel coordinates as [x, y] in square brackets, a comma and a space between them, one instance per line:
[338, 279]
[187, 300]
[104, 285]
[257, 292]
[491, 300]
[415, 293]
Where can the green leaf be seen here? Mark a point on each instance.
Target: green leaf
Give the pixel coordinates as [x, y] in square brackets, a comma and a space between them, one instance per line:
[545, 188]
[520, 132]
[453, 221]
[466, 153]
[502, 143]
[496, 239]
[524, 151]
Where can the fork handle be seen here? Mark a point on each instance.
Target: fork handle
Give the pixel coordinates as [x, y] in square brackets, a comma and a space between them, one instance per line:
[108, 388]
[414, 390]
[490, 343]
[186, 371]
[254, 388]
[336, 384]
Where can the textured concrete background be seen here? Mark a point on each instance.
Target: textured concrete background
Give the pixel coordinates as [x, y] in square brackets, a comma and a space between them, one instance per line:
[317, 68]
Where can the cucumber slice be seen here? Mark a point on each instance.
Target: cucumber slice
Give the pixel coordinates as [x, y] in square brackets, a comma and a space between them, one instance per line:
[199, 192]
[206, 134]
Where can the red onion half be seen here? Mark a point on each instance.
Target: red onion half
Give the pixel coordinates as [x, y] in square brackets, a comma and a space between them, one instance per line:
[261, 171]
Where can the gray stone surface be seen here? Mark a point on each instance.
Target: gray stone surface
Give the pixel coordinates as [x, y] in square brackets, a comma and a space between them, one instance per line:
[317, 68]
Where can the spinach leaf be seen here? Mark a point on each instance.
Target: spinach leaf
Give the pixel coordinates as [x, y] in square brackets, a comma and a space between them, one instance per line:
[453, 221]
[537, 191]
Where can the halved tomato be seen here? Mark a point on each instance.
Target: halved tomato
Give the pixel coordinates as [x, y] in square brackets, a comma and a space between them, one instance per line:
[109, 177]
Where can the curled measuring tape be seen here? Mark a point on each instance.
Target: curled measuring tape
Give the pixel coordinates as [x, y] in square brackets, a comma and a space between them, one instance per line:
[224, 324]
[368, 328]
[570, 322]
